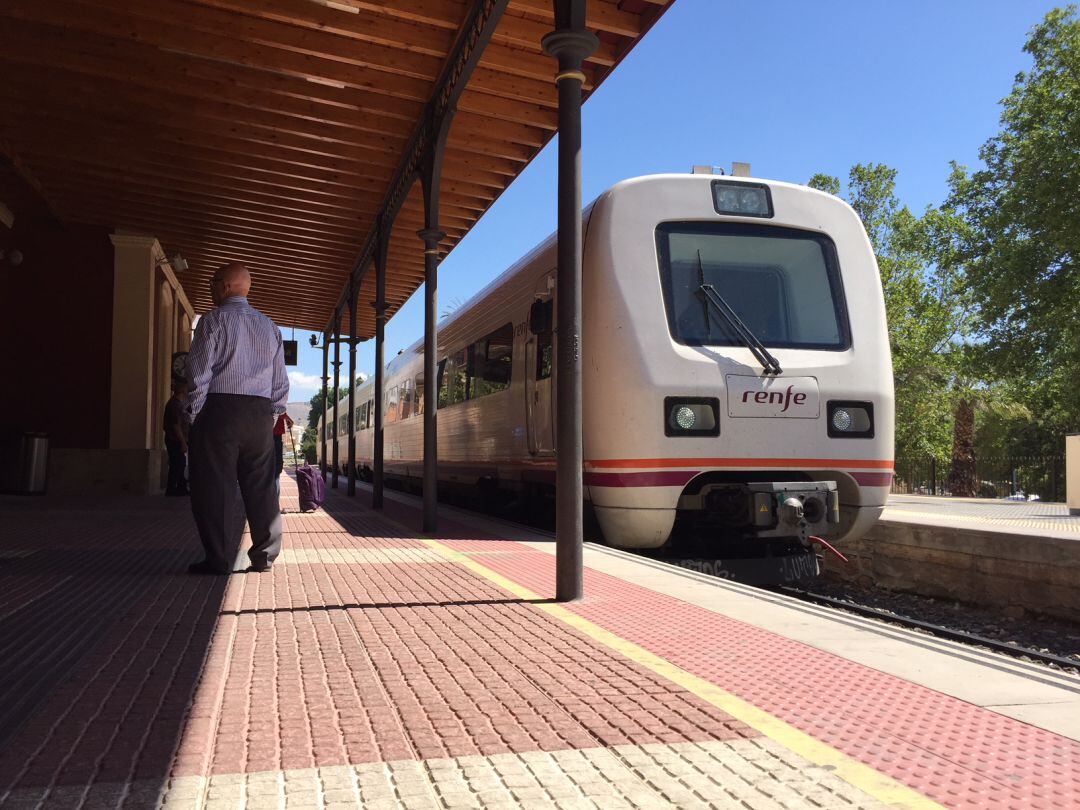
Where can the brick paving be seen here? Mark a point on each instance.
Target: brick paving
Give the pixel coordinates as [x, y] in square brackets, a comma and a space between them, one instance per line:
[367, 669]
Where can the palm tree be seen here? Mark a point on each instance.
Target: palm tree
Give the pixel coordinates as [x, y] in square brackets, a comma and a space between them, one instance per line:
[962, 480]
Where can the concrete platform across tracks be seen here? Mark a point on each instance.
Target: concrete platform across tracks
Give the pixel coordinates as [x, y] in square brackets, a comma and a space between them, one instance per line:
[1015, 556]
[377, 667]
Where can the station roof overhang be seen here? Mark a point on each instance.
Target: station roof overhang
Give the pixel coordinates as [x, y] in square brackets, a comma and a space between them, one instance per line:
[271, 132]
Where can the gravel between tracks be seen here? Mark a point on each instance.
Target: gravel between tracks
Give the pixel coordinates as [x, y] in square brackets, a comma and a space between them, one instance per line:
[1036, 632]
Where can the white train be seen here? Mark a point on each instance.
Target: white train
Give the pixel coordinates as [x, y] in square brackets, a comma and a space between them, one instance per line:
[737, 376]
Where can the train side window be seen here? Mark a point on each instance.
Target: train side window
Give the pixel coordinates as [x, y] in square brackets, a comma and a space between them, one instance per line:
[492, 362]
[419, 387]
[459, 380]
[452, 379]
[443, 383]
[544, 339]
[356, 418]
[390, 407]
[406, 399]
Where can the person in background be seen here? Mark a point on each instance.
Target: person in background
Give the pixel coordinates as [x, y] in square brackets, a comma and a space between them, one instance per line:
[236, 369]
[175, 425]
[284, 422]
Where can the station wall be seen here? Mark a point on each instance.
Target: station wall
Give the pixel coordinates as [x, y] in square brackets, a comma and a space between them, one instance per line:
[90, 320]
[56, 330]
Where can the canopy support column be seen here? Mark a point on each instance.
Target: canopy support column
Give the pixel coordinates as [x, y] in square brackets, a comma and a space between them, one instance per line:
[352, 389]
[325, 414]
[337, 396]
[379, 304]
[431, 180]
[570, 43]
[431, 236]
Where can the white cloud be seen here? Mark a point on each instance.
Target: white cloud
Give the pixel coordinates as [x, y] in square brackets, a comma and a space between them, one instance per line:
[299, 382]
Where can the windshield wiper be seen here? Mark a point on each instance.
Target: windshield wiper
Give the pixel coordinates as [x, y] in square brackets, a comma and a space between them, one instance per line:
[769, 363]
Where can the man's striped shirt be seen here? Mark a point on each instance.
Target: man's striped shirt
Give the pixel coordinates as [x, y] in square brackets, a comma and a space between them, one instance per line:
[236, 350]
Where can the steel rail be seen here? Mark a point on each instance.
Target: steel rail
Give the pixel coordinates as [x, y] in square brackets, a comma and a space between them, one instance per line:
[937, 630]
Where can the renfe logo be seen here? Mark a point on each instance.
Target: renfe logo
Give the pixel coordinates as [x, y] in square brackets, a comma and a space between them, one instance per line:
[775, 397]
[792, 397]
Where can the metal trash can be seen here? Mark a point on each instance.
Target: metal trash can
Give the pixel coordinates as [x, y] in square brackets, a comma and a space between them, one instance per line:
[33, 462]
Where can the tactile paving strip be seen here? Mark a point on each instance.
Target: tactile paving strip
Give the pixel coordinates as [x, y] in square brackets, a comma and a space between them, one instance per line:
[954, 752]
[1047, 523]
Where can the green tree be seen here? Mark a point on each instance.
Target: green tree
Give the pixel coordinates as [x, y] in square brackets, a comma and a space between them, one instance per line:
[923, 304]
[1023, 240]
[310, 440]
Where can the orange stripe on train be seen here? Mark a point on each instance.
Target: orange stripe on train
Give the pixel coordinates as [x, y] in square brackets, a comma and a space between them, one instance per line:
[820, 463]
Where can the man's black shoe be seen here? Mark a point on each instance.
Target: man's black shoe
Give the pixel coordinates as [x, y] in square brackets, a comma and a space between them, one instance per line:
[258, 569]
[206, 567]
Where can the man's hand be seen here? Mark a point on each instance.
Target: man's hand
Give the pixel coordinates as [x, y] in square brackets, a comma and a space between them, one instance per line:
[288, 421]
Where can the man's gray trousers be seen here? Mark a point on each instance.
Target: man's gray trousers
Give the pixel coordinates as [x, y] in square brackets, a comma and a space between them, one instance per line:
[232, 442]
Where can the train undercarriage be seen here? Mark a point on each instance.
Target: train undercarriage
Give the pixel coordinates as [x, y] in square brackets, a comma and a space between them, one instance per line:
[758, 532]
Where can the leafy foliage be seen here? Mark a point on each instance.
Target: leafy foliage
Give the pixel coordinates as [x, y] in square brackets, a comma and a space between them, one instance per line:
[310, 438]
[1021, 246]
[923, 304]
[981, 292]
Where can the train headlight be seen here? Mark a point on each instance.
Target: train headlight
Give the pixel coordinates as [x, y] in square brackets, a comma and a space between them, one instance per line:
[841, 420]
[691, 416]
[851, 420]
[684, 417]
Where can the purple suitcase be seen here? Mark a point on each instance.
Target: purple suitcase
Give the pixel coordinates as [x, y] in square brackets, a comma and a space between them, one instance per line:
[309, 482]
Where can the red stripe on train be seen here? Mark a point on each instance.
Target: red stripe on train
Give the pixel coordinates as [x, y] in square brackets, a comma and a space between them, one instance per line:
[666, 478]
[678, 478]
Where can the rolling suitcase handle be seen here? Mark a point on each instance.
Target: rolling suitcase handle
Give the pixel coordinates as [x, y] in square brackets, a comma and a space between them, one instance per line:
[292, 445]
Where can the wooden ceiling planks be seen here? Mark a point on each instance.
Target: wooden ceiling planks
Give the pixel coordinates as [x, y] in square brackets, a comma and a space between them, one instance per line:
[270, 130]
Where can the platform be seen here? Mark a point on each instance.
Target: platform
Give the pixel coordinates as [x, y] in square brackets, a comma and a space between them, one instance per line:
[1020, 517]
[1018, 557]
[374, 667]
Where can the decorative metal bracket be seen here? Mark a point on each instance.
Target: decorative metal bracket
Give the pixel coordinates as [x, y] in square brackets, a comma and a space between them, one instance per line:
[431, 129]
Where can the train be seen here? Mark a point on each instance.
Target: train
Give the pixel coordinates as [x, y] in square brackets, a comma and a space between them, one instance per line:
[737, 379]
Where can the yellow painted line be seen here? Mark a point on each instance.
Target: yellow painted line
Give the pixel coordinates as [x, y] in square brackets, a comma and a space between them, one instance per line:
[881, 787]
[1027, 522]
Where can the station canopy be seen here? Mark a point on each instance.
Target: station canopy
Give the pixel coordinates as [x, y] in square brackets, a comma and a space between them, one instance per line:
[269, 131]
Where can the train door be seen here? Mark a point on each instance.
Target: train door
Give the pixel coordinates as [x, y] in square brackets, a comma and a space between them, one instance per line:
[540, 369]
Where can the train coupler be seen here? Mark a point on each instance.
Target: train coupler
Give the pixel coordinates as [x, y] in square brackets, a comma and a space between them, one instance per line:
[795, 509]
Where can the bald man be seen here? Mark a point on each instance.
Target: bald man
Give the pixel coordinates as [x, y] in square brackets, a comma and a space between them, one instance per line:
[238, 387]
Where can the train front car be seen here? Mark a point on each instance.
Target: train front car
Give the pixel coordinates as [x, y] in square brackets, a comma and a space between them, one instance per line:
[738, 382]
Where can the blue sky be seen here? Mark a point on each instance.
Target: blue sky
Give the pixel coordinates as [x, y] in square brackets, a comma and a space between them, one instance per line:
[792, 88]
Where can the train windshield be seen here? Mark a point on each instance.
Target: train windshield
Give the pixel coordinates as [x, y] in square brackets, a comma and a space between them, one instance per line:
[783, 283]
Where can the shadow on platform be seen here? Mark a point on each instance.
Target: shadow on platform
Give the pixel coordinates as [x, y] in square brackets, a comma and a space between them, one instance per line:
[103, 636]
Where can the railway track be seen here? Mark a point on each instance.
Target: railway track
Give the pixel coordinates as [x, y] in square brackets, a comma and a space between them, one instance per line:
[940, 631]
